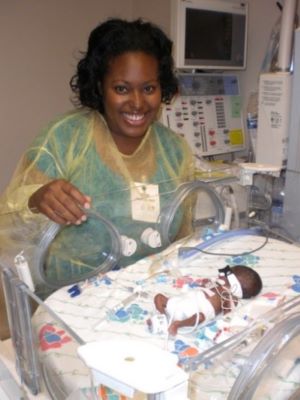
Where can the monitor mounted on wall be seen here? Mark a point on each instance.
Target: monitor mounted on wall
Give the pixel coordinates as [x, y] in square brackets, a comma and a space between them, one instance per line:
[209, 34]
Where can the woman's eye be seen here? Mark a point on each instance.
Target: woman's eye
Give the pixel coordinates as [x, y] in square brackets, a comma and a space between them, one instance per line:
[149, 89]
[121, 89]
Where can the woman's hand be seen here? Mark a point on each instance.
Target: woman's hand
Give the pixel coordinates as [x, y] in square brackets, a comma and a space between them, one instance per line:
[60, 201]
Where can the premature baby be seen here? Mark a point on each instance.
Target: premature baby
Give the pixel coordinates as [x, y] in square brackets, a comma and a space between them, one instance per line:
[204, 303]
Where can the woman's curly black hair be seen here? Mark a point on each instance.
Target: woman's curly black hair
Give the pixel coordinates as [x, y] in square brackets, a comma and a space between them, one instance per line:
[115, 37]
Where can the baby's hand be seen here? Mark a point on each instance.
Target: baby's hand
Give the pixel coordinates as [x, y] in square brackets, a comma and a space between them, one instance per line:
[160, 302]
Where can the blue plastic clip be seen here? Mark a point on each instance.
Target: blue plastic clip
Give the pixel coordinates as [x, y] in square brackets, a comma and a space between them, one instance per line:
[74, 291]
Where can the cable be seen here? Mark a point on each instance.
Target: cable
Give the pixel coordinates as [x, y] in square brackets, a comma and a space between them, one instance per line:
[185, 253]
[228, 254]
[226, 297]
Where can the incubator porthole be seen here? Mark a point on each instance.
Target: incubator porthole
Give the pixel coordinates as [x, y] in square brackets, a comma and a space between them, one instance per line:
[88, 261]
[184, 206]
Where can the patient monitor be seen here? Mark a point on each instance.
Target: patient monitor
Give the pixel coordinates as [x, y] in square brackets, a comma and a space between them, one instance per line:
[207, 113]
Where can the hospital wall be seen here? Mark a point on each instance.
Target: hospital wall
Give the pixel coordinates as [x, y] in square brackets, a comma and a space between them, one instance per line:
[40, 43]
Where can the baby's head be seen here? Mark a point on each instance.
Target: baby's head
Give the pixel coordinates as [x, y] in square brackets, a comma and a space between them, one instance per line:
[249, 280]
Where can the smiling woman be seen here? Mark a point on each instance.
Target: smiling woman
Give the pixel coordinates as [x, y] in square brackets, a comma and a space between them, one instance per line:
[132, 97]
[99, 155]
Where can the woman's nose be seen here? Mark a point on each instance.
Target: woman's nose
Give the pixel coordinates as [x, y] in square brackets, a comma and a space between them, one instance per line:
[137, 99]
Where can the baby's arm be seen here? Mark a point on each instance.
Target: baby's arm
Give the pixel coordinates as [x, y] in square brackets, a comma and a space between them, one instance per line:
[175, 325]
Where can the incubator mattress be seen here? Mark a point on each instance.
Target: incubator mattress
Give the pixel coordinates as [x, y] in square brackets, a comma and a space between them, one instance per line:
[97, 313]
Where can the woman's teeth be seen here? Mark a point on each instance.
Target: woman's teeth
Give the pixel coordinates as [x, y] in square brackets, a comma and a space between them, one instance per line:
[134, 117]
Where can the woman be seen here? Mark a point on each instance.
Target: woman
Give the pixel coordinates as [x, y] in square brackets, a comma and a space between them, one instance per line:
[110, 154]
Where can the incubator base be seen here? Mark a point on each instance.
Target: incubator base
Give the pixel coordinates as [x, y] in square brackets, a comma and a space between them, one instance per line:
[214, 359]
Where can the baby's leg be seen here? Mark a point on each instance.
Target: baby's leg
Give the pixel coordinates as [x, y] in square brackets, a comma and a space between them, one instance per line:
[160, 302]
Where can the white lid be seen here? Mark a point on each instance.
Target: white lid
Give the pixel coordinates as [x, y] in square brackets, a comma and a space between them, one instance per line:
[151, 238]
[136, 364]
[129, 246]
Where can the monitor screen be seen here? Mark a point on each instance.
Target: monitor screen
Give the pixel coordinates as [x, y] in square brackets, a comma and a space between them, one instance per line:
[210, 35]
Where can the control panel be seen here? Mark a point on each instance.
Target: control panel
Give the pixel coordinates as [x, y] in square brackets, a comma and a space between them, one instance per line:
[207, 112]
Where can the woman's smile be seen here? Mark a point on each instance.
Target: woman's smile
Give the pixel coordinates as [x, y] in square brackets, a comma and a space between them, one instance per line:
[135, 119]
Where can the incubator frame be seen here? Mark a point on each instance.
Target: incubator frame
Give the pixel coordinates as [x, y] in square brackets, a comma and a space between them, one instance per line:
[18, 298]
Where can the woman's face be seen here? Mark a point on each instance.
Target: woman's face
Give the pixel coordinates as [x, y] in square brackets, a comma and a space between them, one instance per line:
[131, 97]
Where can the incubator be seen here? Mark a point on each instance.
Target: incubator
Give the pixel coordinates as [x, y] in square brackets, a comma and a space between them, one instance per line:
[122, 227]
[110, 308]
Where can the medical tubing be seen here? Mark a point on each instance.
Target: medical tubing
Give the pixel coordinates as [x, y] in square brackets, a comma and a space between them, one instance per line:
[187, 252]
[48, 236]
[262, 356]
[236, 219]
[167, 214]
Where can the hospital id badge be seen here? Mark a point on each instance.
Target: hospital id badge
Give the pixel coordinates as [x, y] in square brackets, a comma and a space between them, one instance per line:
[145, 202]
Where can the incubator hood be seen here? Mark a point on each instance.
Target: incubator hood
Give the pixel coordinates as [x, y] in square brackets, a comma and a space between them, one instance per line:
[122, 227]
